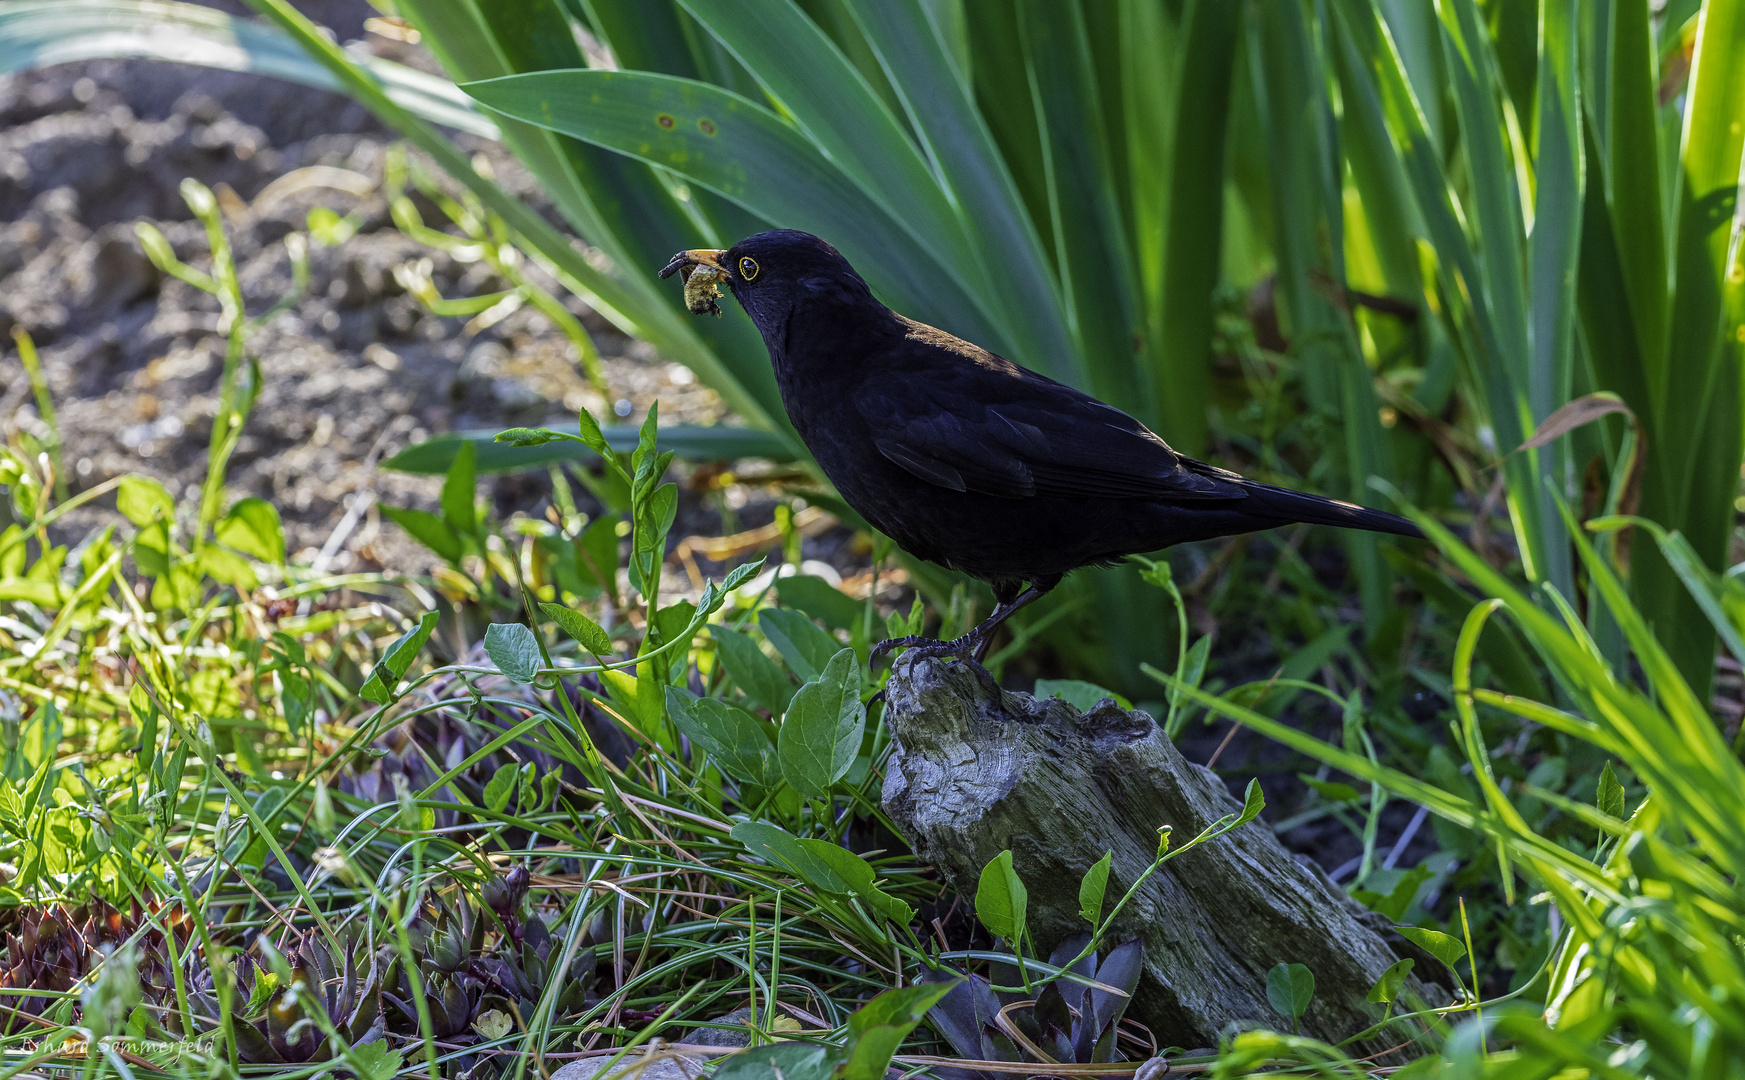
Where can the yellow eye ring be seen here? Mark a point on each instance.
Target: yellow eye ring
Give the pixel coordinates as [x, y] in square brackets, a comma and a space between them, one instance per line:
[747, 269]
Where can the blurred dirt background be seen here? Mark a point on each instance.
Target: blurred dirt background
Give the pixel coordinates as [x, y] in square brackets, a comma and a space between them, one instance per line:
[352, 374]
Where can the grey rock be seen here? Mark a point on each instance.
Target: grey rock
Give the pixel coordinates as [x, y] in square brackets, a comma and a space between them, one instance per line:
[633, 1065]
[714, 1036]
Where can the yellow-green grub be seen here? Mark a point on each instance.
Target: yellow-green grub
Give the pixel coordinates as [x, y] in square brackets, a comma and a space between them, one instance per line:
[701, 290]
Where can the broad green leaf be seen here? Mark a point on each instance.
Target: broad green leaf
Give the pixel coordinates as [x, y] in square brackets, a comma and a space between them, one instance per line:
[1289, 989]
[1253, 802]
[530, 789]
[821, 731]
[806, 648]
[427, 529]
[222, 564]
[734, 739]
[1610, 797]
[1393, 904]
[858, 878]
[40, 593]
[585, 630]
[653, 521]
[397, 660]
[1442, 946]
[514, 649]
[1002, 900]
[1091, 889]
[642, 696]
[1387, 988]
[754, 673]
[820, 600]
[642, 459]
[677, 624]
[375, 1061]
[252, 527]
[780, 848]
[877, 1029]
[739, 575]
[501, 787]
[589, 431]
[790, 1060]
[458, 491]
[521, 437]
[142, 500]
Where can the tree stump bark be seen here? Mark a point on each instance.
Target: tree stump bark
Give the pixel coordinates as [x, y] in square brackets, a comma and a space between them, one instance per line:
[974, 772]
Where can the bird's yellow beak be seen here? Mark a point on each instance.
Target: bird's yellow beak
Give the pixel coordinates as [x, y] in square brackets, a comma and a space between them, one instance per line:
[710, 257]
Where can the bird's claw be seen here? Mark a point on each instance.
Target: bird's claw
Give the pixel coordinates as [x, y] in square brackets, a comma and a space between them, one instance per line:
[967, 648]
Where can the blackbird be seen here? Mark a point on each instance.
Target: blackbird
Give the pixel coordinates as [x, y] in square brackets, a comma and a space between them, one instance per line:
[963, 457]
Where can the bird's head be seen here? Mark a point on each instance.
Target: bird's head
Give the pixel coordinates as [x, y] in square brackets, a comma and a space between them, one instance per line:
[773, 272]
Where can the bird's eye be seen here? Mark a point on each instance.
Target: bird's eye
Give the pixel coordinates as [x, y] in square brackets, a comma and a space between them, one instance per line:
[747, 269]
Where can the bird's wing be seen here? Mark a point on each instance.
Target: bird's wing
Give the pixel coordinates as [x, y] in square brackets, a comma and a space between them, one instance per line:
[1022, 435]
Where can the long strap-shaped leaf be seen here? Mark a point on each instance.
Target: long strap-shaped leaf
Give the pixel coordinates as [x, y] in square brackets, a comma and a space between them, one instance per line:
[1096, 267]
[1498, 339]
[840, 115]
[1553, 252]
[38, 33]
[1291, 96]
[1703, 383]
[745, 152]
[1194, 220]
[975, 176]
[1499, 296]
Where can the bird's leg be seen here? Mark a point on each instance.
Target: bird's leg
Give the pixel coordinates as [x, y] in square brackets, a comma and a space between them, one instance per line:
[1004, 611]
[973, 645]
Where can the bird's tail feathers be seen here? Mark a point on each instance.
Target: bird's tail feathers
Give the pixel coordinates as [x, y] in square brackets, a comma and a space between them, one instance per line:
[1294, 506]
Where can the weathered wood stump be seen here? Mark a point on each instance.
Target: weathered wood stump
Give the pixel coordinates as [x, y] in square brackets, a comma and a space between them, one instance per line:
[974, 772]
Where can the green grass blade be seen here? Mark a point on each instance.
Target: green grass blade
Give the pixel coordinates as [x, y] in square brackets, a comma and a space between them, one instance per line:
[646, 36]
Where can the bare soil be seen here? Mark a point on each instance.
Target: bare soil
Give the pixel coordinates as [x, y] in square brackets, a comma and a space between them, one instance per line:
[353, 373]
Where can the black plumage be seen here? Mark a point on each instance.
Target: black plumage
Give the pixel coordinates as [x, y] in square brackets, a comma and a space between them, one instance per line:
[968, 460]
